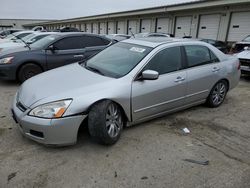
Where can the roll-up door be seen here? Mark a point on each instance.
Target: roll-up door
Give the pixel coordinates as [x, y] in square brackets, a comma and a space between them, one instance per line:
[111, 28]
[209, 26]
[239, 26]
[102, 28]
[162, 25]
[95, 28]
[121, 27]
[145, 25]
[183, 26]
[88, 28]
[132, 26]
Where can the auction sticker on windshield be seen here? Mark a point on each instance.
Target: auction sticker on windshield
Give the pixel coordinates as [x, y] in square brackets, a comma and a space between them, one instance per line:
[136, 49]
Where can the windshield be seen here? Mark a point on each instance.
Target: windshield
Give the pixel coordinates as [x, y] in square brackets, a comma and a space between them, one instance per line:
[28, 37]
[44, 42]
[247, 39]
[118, 59]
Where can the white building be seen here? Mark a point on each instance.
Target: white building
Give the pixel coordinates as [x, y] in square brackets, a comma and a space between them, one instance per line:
[226, 20]
[17, 23]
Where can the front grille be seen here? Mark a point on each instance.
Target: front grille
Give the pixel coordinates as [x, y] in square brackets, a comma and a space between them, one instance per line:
[21, 107]
[245, 62]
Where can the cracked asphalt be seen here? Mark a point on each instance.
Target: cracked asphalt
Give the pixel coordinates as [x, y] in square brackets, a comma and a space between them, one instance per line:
[151, 154]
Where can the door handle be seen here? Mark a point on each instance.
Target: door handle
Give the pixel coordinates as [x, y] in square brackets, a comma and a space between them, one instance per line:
[179, 79]
[77, 56]
[215, 69]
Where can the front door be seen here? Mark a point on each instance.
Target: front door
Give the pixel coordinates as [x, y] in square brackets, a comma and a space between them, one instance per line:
[155, 97]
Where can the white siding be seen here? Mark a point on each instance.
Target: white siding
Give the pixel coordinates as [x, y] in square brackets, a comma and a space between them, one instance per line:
[162, 25]
[183, 26]
[111, 28]
[145, 25]
[121, 27]
[209, 26]
[239, 26]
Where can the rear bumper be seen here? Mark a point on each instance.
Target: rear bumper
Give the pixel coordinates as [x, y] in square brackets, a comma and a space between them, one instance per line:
[62, 131]
[7, 72]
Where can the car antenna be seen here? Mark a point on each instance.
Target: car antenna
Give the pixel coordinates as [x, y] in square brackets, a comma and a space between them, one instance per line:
[21, 40]
[132, 33]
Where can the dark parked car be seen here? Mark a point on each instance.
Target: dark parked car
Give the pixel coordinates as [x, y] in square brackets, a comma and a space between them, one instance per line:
[50, 52]
[67, 29]
[222, 46]
[4, 33]
[239, 46]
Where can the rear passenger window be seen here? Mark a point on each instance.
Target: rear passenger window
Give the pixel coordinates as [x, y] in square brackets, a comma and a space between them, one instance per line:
[199, 55]
[167, 60]
[69, 43]
[90, 41]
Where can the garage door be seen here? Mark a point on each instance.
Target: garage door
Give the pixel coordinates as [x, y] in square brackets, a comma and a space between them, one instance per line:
[145, 25]
[111, 28]
[239, 26]
[162, 25]
[209, 26]
[95, 28]
[82, 27]
[121, 27]
[132, 26]
[183, 26]
[103, 29]
[88, 28]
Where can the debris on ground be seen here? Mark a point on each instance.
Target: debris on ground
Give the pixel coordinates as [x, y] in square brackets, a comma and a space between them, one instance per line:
[186, 130]
[12, 175]
[144, 177]
[204, 162]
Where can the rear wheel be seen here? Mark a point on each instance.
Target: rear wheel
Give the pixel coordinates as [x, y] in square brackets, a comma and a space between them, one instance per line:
[218, 94]
[27, 71]
[105, 122]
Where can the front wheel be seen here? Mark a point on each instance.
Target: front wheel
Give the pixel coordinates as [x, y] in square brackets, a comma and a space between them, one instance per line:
[27, 71]
[105, 122]
[217, 94]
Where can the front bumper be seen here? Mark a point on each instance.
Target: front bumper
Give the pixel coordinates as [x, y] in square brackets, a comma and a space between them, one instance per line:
[61, 131]
[7, 72]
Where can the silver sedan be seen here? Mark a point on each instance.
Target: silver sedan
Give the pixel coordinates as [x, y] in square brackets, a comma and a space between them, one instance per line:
[130, 82]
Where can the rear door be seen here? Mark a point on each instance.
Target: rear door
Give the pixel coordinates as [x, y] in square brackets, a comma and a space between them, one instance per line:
[67, 50]
[203, 71]
[154, 97]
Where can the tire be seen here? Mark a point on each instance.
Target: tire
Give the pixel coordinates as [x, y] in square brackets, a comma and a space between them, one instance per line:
[217, 94]
[105, 122]
[27, 71]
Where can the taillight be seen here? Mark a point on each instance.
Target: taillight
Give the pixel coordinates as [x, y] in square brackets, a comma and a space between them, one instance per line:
[238, 65]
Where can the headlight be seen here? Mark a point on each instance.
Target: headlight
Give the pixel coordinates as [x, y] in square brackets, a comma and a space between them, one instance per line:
[6, 60]
[51, 110]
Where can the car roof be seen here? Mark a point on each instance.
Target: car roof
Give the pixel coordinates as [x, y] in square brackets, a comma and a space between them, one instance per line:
[75, 34]
[154, 41]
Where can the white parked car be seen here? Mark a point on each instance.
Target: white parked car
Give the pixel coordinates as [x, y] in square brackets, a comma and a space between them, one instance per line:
[244, 58]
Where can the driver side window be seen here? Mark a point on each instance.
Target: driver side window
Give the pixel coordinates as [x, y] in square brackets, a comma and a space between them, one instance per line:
[165, 61]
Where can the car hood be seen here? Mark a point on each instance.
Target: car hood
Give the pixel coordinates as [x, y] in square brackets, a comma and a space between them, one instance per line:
[10, 50]
[244, 54]
[61, 83]
[8, 45]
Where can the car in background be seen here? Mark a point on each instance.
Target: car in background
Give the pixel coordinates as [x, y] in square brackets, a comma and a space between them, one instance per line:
[16, 36]
[239, 46]
[48, 53]
[4, 33]
[67, 29]
[222, 46]
[142, 35]
[24, 42]
[129, 82]
[117, 37]
[244, 58]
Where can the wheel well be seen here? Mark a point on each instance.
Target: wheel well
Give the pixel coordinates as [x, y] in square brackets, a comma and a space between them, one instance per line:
[28, 62]
[123, 112]
[226, 80]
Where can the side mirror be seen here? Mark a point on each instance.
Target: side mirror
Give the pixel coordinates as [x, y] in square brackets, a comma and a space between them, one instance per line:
[29, 42]
[149, 75]
[51, 48]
